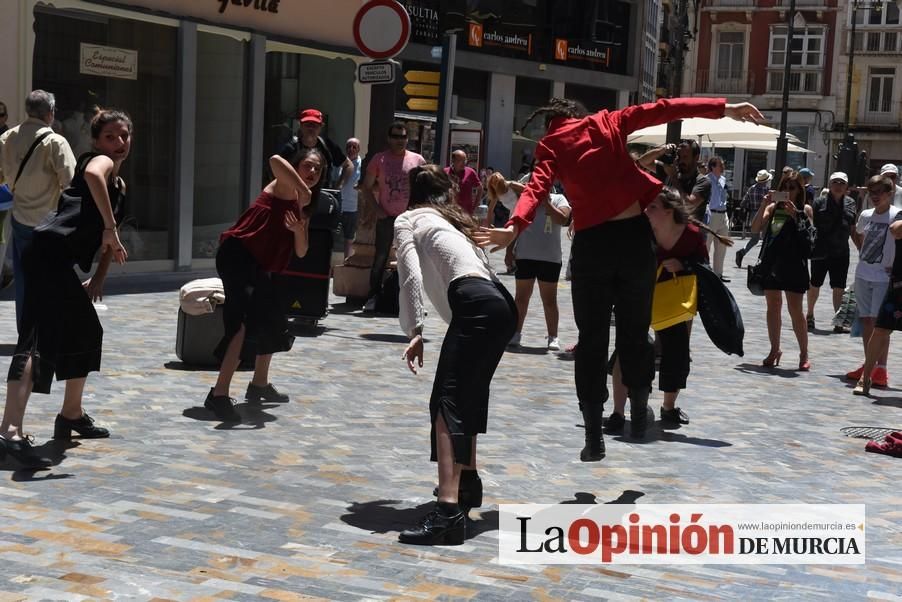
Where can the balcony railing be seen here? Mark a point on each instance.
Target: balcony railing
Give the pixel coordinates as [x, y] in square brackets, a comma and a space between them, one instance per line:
[892, 117]
[717, 81]
[876, 42]
[801, 82]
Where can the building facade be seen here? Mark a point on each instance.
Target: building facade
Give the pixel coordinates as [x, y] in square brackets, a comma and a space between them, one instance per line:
[214, 87]
[740, 52]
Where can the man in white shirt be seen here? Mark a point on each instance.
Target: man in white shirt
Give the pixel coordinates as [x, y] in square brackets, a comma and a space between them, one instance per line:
[718, 208]
[46, 173]
[349, 196]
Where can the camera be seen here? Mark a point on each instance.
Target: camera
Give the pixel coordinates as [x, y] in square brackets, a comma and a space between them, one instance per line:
[669, 156]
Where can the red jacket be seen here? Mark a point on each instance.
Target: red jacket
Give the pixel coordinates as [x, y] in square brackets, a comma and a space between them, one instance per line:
[590, 159]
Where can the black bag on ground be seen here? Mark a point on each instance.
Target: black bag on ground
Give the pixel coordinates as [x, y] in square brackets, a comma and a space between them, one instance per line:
[303, 286]
[387, 303]
[719, 311]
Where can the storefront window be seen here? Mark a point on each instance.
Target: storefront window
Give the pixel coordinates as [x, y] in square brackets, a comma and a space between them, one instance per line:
[218, 147]
[530, 94]
[594, 99]
[147, 93]
[302, 81]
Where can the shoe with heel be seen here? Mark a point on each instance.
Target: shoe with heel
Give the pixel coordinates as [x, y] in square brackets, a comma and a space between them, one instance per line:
[445, 525]
[772, 360]
[84, 426]
[863, 387]
[804, 362]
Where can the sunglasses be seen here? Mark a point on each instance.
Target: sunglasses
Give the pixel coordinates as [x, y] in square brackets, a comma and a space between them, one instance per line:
[837, 182]
[397, 136]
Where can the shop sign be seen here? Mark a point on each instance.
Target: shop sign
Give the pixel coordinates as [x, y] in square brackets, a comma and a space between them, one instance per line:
[586, 54]
[424, 20]
[482, 36]
[271, 6]
[106, 61]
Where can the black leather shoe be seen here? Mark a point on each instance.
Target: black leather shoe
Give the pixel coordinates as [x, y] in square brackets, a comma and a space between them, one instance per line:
[84, 426]
[724, 279]
[469, 491]
[674, 417]
[267, 393]
[443, 526]
[739, 255]
[223, 406]
[23, 451]
[594, 449]
[614, 424]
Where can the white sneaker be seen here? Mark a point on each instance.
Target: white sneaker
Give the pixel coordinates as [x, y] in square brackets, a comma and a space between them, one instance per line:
[515, 340]
[553, 344]
[370, 305]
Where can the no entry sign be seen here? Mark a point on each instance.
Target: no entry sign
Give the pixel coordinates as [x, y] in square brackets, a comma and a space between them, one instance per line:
[381, 28]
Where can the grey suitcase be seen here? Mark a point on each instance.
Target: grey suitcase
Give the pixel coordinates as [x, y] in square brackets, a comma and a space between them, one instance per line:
[198, 336]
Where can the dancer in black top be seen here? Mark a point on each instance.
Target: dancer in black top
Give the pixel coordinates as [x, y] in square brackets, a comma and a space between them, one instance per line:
[60, 333]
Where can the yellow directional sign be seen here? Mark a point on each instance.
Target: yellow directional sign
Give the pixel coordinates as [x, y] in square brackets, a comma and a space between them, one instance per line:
[427, 90]
[422, 77]
[422, 104]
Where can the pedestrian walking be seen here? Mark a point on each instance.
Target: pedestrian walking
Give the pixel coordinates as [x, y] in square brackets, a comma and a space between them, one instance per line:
[751, 205]
[718, 210]
[38, 165]
[60, 333]
[613, 260]
[437, 256]
[262, 242]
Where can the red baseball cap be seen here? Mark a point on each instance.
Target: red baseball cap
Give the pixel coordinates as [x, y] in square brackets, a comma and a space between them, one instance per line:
[308, 115]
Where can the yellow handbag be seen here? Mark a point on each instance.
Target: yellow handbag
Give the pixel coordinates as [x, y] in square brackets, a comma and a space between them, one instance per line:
[675, 300]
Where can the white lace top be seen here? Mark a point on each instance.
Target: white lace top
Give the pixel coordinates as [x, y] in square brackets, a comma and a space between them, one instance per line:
[431, 255]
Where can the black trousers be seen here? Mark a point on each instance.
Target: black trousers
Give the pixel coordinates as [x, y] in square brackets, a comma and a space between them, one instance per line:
[483, 320]
[674, 368]
[60, 330]
[613, 269]
[385, 234]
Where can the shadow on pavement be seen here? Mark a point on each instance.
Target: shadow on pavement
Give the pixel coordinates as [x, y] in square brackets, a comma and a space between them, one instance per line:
[776, 371]
[522, 350]
[348, 307]
[673, 437]
[380, 517]
[253, 416]
[54, 449]
[385, 338]
[891, 402]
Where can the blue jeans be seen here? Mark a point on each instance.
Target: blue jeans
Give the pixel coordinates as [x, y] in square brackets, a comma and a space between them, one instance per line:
[22, 236]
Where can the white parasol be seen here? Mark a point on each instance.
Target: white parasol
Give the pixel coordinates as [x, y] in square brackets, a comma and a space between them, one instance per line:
[714, 130]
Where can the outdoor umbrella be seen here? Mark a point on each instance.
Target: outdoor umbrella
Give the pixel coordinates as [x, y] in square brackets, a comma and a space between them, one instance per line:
[768, 145]
[710, 129]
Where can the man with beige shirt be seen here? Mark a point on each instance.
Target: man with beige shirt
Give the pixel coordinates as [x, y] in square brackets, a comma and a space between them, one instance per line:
[47, 172]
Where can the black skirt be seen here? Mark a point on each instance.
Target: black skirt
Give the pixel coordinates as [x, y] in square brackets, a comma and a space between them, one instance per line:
[60, 329]
[251, 299]
[483, 319]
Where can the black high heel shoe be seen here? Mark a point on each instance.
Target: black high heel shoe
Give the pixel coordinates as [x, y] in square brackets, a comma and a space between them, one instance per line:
[84, 426]
[23, 451]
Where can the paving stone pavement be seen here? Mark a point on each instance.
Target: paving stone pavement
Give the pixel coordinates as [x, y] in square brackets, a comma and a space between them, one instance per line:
[305, 499]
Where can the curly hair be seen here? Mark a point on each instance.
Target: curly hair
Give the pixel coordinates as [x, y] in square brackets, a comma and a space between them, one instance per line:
[558, 107]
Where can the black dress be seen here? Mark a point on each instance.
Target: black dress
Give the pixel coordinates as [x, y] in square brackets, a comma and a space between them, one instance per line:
[785, 251]
[60, 329]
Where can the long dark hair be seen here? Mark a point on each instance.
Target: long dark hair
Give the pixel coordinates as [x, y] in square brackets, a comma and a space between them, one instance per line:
[672, 199]
[801, 195]
[558, 107]
[300, 154]
[431, 187]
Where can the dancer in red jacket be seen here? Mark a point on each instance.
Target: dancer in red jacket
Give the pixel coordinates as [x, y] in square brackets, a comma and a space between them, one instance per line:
[613, 265]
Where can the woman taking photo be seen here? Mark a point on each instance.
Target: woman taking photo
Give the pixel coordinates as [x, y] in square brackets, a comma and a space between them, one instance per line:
[788, 239]
[261, 242]
[437, 256]
[60, 333]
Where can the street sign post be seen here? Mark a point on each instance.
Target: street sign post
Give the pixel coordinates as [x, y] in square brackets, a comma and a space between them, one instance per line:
[376, 72]
[381, 29]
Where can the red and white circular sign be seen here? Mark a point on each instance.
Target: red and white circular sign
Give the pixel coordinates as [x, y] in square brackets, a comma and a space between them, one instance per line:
[381, 29]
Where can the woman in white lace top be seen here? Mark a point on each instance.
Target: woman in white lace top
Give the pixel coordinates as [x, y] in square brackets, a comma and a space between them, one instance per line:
[438, 259]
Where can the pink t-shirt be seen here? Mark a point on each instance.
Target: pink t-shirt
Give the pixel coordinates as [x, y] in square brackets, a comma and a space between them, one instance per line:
[391, 173]
[469, 188]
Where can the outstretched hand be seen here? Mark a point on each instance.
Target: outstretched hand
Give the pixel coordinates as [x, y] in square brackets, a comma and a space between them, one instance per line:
[110, 243]
[499, 237]
[744, 111]
[413, 352]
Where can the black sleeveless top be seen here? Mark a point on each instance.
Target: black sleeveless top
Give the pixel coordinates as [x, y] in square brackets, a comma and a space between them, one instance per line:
[84, 242]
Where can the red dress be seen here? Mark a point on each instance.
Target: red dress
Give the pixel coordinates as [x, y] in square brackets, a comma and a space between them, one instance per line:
[261, 230]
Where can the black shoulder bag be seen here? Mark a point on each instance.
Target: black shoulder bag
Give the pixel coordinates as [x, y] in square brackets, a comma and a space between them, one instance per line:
[31, 149]
[64, 220]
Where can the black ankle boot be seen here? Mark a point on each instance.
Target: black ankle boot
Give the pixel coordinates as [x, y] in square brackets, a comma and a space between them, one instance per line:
[594, 449]
[469, 491]
[639, 413]
[84, 426]
[445, 525]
